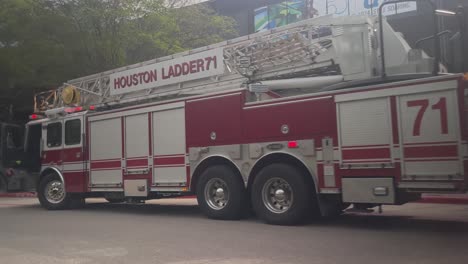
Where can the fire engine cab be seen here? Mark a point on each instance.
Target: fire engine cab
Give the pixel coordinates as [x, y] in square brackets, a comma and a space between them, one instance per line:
[303, 120]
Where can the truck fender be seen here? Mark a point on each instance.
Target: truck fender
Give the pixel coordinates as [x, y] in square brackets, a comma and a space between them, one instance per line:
[285, 157]
[47, 170]
[208, 161]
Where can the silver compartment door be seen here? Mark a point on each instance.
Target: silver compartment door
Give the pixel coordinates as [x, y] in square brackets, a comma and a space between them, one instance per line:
[430, 135]
[169, 147]
[106, 152]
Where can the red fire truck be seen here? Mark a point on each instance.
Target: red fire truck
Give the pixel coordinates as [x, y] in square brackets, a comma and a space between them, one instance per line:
[303, 120]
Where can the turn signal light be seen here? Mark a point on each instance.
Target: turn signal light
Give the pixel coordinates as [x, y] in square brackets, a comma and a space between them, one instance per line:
[293, 144]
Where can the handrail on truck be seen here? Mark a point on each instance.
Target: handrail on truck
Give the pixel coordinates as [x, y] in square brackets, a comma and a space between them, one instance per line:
[435, 36]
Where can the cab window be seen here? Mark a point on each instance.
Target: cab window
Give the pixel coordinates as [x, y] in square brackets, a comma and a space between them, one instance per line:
[14, 138]
[54, 135]
[73, 132]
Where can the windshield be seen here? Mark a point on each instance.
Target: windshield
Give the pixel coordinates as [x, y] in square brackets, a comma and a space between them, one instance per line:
[12, 145]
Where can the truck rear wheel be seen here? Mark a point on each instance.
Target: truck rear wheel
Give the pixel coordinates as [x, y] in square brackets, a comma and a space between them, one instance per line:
[221, 193]
[281, 195]
[52, 194]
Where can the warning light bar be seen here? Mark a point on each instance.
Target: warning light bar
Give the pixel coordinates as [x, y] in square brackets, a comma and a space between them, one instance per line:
[57, 112]
[70, 110]
[35, 117]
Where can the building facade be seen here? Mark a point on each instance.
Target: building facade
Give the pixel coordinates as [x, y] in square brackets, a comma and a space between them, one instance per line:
[409, 18]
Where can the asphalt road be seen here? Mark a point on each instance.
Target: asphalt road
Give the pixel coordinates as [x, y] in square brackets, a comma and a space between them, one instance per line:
[174, 231]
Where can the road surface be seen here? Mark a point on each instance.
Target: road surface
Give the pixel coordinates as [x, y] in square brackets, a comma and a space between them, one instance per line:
[173, 231]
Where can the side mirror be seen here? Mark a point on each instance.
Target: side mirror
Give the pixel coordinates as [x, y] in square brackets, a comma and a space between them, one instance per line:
[41, 147]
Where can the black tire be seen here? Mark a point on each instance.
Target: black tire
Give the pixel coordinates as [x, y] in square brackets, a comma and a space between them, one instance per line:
[115, 200]
[60, 204]
[235, 206]
[3, 184]
[288, 211]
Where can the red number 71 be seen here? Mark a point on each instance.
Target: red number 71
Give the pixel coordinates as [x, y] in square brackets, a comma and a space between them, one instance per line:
[423, 104]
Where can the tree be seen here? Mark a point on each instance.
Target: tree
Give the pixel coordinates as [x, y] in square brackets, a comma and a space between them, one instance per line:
[200, 26]
[116, 32]
[46, 42]
[32, 49]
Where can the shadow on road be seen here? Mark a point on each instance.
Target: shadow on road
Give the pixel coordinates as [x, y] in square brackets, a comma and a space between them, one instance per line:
[145, 209]
[361, 221]
[394, 222]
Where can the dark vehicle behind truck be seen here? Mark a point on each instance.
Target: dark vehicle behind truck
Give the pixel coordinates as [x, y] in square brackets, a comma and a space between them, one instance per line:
[13, 175]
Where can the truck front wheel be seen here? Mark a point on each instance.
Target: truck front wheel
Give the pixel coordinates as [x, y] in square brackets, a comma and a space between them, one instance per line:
[52, 194]
[281, 195]
[221, 193]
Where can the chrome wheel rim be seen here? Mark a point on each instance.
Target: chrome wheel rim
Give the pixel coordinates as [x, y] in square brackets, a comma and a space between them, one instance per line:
[54, 192]
[216, 194]
[277, 195]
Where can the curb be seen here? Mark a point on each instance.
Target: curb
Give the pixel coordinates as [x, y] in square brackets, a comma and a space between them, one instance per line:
[443, 200]
[18, 195]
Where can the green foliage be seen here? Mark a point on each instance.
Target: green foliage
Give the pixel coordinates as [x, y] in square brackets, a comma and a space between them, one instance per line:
[46, 42]
[200, 26]
[31, 45]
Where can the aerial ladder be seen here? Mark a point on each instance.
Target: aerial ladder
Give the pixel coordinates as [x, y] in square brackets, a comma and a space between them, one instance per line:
[302, 57]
